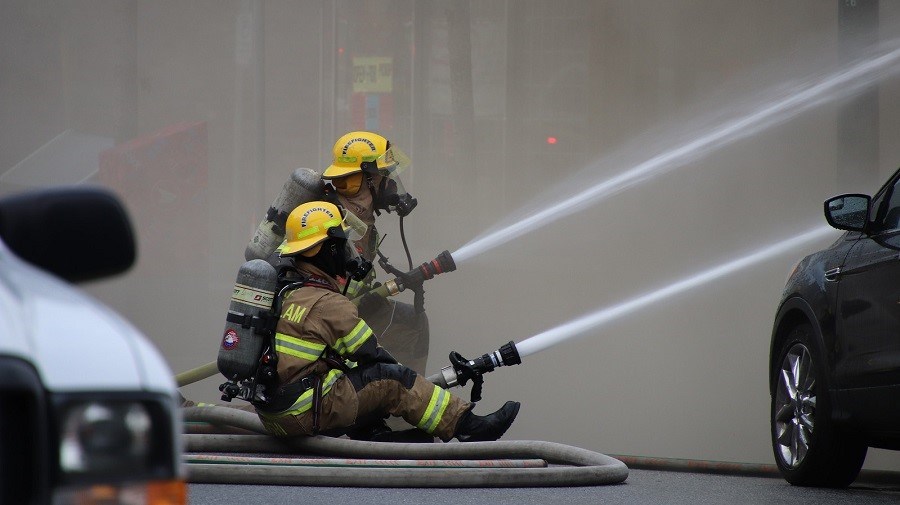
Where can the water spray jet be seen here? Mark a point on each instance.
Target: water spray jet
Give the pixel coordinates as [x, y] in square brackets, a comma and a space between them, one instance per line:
[592, 321]
[812, 92]
[462, 370]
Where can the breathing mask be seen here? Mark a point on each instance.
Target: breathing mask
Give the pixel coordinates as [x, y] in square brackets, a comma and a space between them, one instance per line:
[390, 195]
[352, 229]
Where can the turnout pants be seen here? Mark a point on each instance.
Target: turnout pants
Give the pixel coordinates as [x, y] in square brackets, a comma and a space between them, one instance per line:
[367, 394]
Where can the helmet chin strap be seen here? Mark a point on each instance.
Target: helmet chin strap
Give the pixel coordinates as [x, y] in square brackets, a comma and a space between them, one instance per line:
[368, 168]
[375, 207]
[357, 269]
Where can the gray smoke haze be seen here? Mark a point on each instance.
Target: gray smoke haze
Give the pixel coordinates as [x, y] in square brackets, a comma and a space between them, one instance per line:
[196, 112]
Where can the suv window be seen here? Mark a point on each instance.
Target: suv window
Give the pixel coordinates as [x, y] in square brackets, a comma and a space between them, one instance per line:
[887, 208]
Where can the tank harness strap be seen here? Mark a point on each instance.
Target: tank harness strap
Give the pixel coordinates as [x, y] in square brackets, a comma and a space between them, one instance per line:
[263, 322]
[279, 218]
[286, 395]
[317, 405]
[334, 360]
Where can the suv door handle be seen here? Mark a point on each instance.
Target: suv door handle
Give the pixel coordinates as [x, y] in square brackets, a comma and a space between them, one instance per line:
[833, 275]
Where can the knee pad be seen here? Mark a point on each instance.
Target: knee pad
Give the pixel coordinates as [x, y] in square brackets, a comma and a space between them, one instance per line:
[381, 371]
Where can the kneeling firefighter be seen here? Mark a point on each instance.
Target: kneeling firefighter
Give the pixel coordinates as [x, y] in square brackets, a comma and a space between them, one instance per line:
[332, 375]
[365, 177]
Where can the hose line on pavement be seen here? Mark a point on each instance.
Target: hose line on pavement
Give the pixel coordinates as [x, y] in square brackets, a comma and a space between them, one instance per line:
[570, 466]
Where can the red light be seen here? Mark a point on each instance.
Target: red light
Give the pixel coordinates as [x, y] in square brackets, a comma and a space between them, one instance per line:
[551, 140]
[340, 50]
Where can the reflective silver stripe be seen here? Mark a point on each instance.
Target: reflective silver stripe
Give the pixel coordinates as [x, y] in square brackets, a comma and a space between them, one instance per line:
[357, 337]
[299, 348]
[252, 296]
[435, 410]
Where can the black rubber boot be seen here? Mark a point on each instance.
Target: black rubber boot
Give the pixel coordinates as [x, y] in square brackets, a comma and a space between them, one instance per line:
[473, 428]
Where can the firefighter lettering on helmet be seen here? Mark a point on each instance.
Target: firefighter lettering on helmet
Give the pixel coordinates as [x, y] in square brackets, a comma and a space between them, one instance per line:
[333, 377]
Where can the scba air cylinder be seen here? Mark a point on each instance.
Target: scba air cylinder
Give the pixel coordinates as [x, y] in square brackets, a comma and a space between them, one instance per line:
[304, 185]
[248, 317]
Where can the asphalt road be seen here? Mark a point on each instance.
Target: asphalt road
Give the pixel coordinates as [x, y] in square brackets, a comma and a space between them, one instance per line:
[645, 487]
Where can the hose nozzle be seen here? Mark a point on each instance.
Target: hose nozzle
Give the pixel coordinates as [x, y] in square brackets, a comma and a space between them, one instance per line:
[442, 263]
[415, 277]
[461, 370]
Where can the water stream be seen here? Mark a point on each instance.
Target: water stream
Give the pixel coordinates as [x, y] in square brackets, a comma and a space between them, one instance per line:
[582, 325]
[811, 92]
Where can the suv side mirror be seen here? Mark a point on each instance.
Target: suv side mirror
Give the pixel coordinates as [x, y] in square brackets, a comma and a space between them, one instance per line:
[76, 233]
[848, 212]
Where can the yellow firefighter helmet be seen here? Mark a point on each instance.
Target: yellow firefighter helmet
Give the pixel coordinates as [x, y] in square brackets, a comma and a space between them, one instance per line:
[309, 225]
[355, 149]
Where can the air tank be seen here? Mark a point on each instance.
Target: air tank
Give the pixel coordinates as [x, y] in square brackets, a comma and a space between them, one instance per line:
[246, 331]
[304, 185]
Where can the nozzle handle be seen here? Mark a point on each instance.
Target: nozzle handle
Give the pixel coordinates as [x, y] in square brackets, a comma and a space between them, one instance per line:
[415, 277]
[461, 370]
[445, 379]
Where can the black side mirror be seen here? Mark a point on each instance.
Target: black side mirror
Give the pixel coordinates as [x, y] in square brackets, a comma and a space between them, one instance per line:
[848, 212]
[76, 233]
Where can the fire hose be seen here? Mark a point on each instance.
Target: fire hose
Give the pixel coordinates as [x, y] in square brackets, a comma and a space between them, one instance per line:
[572, 466]
[464, 465]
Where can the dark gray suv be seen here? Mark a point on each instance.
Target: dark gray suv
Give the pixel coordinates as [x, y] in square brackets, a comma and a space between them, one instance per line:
[834, 366]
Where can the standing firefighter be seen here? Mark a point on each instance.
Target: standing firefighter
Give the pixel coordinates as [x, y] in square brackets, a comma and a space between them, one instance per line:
[333, 376]
[365, 176]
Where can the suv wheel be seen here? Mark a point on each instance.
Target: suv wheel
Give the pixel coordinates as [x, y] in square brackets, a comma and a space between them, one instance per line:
[809, 449]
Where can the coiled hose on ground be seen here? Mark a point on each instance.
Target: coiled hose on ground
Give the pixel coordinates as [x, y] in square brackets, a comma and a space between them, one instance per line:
[568, 466]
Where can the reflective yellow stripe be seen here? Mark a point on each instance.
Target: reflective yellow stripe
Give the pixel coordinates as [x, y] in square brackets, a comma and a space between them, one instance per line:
[305, 400]
[359, 287]
[357, 337]
[312, 230]
[273, 428]
[351, 159]
[303, 349]
[435, 410]
[354, 288]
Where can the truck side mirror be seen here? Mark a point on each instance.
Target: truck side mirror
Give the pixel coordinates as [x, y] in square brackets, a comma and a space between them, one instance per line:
[77, 233]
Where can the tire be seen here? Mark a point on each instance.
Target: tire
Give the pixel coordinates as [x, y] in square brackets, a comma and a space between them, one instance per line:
[809, 448]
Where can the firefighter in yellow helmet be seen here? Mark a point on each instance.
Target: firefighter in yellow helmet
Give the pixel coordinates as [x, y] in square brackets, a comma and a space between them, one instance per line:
[364, 176]
[333, 376]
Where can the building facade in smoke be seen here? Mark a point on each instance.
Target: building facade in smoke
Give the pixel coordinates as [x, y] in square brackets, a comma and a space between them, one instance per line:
[495, 101]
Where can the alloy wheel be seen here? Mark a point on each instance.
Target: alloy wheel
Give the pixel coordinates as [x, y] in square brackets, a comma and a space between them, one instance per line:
[795, 405]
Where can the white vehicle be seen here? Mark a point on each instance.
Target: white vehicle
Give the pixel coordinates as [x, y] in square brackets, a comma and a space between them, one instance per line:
[87, 405]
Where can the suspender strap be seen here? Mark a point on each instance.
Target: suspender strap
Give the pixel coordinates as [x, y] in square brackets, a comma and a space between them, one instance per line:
[317, 405]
